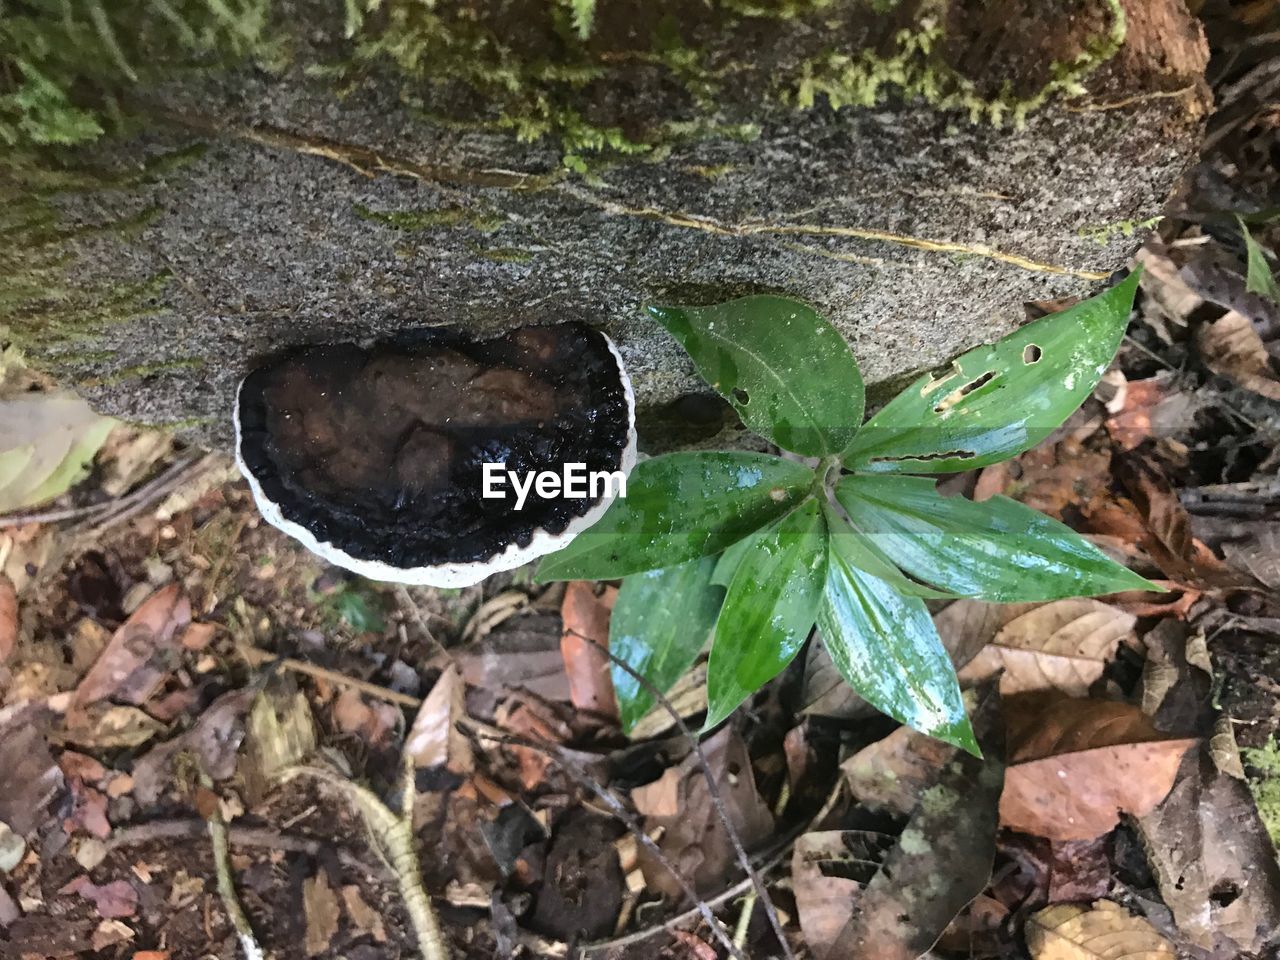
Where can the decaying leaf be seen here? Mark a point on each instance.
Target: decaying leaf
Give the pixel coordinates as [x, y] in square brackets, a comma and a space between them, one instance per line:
[434, 740]
[939, 864]
[28, 776]
[112, 900]
[105, 726]
[213, 740]
[893, 772]
[280, 732]
[1105, 931]
[1213, 861]
[829, 870]
[1258, 552]
[1064, 645]
[1231, 346]
[141, 653]
[8, 617]
[1076, 765]
[363, 917]
[47, 442]
[693, 837]
[586, 624]
[321, 912]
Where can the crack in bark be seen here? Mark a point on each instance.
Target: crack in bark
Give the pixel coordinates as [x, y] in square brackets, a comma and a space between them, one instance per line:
[369, 163]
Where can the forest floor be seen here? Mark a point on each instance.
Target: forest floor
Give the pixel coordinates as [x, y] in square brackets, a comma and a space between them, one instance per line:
[178, 680]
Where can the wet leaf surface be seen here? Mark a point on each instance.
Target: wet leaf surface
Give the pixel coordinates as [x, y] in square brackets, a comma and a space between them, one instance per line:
[787, 372]
[998, 400]
[680, 507]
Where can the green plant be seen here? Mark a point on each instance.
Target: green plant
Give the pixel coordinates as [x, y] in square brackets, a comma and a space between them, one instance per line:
[856, 542]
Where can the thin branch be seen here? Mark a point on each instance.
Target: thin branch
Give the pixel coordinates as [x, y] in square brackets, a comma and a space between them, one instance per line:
[226, 884]
[615, 806]
[713, 788]
[258, 658]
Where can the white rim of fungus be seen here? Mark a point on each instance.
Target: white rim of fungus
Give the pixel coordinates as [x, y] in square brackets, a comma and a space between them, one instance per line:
[449, 574]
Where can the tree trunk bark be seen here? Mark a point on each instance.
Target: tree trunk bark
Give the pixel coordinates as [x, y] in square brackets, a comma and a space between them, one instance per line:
[915, 169]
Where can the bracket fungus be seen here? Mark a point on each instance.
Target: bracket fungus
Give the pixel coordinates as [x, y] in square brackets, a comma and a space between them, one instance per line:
[373, 456]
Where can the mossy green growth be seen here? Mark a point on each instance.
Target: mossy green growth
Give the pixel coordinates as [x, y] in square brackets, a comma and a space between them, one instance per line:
[41, 311]
[916, 68]
[1264, 781]
[66, 66]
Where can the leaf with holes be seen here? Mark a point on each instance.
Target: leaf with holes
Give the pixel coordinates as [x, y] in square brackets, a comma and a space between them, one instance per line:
[1000, 399]
[660, 623]
[886, 648]
[996, 550]
[680, 507]
[769, 610]
[787, 372]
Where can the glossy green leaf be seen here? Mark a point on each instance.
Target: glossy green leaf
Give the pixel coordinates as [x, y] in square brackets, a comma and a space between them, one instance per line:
[1000, 399]
[1260, 279]
[998, 550]
[886, 648]
[864, 553]
[727, 564]
[785, 369]
[769, 610]
[660, 623]
[679, 507]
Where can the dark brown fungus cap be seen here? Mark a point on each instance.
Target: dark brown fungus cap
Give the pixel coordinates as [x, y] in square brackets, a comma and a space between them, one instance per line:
[372, 456]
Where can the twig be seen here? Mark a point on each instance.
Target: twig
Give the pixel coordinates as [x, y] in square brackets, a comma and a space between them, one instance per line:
[615, 806]
[713, 788]
[111, 510]
[238, 835]
[258, 658]
[393, 833]
[226, 885]
[409, 606]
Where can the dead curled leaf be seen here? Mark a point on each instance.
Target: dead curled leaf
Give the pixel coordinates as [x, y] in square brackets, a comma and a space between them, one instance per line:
[1063, 646]
[137, 658]
[1070, 931]
[586, 619]
[434, 740]
[1232, 347]
[1076, 765]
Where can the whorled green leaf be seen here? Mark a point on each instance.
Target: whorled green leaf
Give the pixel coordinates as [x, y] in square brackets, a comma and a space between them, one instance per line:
[769, 610]
[998, 550]
[863, 553]
[660, 623]
[787, 371]
[886, 648]
[1259, 279]
[999, 399]
[679, 507]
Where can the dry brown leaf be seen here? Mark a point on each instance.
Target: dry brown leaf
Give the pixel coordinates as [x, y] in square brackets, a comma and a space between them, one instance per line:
[374, 720]
[694, 838]
[1206, 840]
[1076, 765]
[8, 617]
[363, 917]
[829, 870]
[1231, 346]
[29, 778]
[586, 624]
[112, 900]
[1259, 553]
[1064, 645]
[434, 739]
[102, 726]
[1105, 931]
[320, 908]
[133, 665]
